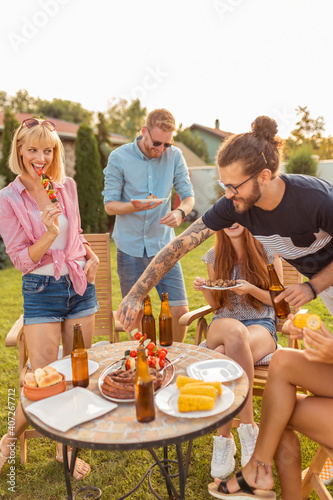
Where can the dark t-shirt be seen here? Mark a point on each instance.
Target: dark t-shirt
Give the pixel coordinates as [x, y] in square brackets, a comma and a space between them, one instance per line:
[299, 229]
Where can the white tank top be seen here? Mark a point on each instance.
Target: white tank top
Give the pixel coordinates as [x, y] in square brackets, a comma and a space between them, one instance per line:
[59, 244]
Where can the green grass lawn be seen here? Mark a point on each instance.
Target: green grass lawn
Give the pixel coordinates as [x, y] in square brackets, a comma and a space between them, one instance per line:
[115, 472]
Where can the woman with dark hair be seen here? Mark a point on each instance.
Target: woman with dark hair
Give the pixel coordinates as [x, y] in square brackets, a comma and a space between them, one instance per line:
[243, 325]
[44, 241]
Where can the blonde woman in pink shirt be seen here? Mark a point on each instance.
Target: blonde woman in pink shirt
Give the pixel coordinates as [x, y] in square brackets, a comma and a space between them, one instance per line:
[44, 241]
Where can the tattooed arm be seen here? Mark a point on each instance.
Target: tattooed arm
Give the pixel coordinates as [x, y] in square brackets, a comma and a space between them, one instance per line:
[166, 258]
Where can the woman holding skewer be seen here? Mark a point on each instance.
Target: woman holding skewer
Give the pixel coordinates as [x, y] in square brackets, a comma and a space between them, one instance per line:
[44, 241]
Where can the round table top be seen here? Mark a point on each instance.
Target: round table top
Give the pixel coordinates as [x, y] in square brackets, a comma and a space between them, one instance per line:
[120, 430]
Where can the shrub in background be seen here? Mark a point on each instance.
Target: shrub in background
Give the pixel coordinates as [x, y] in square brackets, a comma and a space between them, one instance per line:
[302, 162]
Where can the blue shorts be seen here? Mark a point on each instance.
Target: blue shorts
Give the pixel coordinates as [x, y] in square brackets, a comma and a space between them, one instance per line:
[47, 300]
[131, 268]
[267, 323]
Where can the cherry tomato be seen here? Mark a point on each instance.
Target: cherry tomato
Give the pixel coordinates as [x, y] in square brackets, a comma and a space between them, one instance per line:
[162, 353]
[151, 346]
[153, 361]
[138, 335]
[133, 353]
[161, 362]
[151, 353]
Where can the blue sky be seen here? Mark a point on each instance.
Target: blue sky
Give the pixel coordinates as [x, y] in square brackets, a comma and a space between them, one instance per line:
[202, 59]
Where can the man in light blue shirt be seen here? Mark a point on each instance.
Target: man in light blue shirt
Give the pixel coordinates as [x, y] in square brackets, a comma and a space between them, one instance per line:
[151, 165]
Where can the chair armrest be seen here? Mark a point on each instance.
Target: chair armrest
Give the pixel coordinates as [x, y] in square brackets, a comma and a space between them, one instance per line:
[191, 316]
[13, 336]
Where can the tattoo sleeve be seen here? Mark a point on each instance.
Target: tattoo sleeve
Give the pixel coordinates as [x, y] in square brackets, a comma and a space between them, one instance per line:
[166, 258]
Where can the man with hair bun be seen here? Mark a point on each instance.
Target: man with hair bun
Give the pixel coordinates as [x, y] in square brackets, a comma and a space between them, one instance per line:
[290, 214]
[149, 168]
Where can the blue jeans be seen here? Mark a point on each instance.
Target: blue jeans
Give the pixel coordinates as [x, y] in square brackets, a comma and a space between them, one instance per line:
[47, 300]
[131, 268]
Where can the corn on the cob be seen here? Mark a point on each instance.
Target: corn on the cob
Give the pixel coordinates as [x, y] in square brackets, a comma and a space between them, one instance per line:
[199, 390]
[187, 402]
[182, 380]
[311, 321]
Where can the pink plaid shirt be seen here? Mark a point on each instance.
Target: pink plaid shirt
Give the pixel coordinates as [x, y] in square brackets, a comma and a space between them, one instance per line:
[21, 226]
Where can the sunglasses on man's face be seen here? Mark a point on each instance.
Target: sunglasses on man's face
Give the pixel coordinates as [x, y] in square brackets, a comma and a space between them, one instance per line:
[32, 122]
[156, 144]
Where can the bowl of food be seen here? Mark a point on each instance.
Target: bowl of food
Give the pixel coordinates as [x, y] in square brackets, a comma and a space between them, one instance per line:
[43, 383]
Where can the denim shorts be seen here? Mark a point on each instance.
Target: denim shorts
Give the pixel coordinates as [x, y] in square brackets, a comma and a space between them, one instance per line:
[267, 323]
[131, 268]
[47, 300]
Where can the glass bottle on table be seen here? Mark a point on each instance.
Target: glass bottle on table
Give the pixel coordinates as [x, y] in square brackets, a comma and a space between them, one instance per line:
[148, 321]
[79, 359]
[144, 389]
[165, 322]
[281, 308]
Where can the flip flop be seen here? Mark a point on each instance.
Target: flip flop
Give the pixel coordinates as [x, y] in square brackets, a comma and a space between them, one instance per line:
[3, 458]
[245, 491]
[78, 467]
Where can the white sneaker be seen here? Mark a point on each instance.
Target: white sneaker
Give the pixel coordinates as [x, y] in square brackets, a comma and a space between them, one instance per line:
[248, 437]
[223, 462]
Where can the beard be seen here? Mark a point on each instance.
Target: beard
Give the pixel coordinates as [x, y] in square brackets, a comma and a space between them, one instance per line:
[245, 204]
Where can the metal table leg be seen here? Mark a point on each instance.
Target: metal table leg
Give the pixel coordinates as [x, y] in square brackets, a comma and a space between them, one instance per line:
[90, 491]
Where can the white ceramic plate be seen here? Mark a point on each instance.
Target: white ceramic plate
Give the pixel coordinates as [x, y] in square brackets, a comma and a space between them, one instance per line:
[167, 401]
[221, 370]
[65, 366]
[222, 287]
[150, 200]
[70, 408]
[168, 374]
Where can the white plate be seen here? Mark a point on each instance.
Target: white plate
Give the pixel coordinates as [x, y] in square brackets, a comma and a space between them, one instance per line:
[150, 200]
[65, 366]
[221, 370]
[222, 287]
[70, 408]
[167, 401]
[168, 375]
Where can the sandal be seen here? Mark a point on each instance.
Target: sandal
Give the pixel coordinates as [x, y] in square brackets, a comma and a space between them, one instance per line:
[245, 491]
[3, 458]
[79, 467]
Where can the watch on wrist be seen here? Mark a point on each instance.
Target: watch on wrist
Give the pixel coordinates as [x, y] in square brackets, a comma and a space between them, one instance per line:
[182, 211]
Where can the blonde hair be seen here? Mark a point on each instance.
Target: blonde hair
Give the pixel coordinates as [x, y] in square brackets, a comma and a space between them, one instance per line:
[41, 136]
[161, 118]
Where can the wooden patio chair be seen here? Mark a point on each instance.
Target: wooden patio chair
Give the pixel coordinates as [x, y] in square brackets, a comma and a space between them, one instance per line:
[312, 480]
[290, 277]
[105, 322]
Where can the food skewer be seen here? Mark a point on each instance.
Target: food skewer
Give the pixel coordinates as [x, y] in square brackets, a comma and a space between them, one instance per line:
[46, 183]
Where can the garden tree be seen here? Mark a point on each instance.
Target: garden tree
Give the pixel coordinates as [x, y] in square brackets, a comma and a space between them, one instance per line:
[308, 132]
[103, 139]
[64, 110]
[126, 118]
[302, 162]
[193, 141]
[10, 125]
[4, 100]
[22, 102]
[89, 179]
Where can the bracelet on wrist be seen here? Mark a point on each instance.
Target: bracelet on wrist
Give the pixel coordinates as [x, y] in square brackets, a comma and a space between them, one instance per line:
[182, 211]
[312, 288]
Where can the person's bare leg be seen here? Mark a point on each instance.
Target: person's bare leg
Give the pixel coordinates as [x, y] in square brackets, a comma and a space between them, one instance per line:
[288, 463]
[178, 331]
[288, 369]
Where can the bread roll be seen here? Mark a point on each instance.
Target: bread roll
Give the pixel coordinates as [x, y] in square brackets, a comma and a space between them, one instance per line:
[30, 380]
[48, 380]
[49, 370]
[39, 374]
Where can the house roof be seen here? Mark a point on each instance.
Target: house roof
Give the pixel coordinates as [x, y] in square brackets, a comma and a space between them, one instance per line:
[66, 130]
[192, 160]
[213, 131]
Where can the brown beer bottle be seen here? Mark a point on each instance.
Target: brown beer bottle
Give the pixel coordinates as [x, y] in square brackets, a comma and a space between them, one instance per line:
[165, 322]
[282, 308]
[148, 321]
[144, 389]
[79, 359]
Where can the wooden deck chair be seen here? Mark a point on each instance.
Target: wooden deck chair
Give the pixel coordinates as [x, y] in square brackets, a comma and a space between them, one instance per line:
[105, 322]
[290, 277]
[312, 480]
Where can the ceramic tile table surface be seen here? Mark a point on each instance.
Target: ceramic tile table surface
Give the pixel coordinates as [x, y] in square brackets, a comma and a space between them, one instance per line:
[119, 429]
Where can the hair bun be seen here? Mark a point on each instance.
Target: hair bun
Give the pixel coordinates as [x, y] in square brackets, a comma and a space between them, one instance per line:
[264, 127]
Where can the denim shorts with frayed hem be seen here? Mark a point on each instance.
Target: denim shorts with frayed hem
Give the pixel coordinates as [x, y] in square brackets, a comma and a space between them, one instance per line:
[47, 300]
[130, 269]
